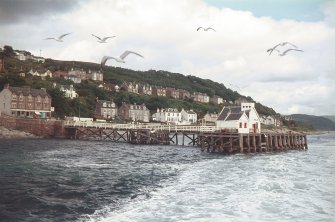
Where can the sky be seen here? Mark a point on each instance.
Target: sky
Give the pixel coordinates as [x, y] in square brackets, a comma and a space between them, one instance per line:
[165, 33]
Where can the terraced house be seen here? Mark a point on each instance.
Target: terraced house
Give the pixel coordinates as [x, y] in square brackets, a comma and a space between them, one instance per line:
[25, 102]
[134, 112]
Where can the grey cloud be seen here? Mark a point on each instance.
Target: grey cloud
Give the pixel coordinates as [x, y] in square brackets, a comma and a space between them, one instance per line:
[14, 11]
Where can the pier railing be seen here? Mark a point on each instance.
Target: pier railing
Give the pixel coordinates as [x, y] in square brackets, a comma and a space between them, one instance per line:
[152, 127]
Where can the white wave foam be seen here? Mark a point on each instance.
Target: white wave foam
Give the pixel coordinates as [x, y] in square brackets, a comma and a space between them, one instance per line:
[234, 188]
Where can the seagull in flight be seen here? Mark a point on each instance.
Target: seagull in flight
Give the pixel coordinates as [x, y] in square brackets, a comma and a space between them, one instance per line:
[286, 51]
[206, 29]
[119, 59]
[103, 40]
[60, 38]
[270, 50]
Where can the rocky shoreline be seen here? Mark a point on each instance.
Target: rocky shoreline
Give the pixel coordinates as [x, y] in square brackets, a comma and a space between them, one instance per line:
[6, 133]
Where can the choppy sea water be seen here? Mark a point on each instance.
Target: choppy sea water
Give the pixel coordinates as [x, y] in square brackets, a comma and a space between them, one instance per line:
[67, 180]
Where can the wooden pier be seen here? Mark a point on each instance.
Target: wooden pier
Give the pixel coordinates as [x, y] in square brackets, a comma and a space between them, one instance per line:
[253, 142]
[208, 139]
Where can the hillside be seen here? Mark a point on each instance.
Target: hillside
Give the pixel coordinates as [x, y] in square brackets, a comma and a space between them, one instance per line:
[190, 83]
[315, 122]
[332, 118]
[88, 90]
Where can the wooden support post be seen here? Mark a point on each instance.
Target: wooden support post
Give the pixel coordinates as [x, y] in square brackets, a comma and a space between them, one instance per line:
[248, 141]
[266, 142]
[284, 142]
[241, 142]
[306, 146]
[231, 143]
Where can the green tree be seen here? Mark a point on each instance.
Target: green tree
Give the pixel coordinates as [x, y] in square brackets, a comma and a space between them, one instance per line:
[12, 80]
[8, 51]
[60, 103]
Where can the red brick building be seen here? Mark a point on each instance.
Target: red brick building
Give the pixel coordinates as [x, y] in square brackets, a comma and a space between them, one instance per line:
[25, 102]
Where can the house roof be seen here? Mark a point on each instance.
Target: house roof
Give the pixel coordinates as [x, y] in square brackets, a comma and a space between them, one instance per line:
[228, 111]
[26, 91]
[169, 110]
[135, 106]
[234, 116]
[107, 103]
[189, 111]
[104, 101]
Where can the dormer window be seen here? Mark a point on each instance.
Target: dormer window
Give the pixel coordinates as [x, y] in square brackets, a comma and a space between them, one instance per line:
[21, 97]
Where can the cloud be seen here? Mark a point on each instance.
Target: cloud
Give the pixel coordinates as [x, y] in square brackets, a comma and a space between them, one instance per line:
[328, 10]
[165, 33]
[13, 11]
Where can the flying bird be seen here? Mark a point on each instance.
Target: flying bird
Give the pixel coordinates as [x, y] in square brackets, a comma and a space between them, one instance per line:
[206, 29]
[119, 59]
[103, 40]
[286, 51]
[60, 38]
[270, 50]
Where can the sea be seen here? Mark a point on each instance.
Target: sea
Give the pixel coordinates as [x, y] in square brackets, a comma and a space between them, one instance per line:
[72, 180]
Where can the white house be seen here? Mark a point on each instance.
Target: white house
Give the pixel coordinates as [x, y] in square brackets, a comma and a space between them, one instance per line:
[243, 118]
[73, 78]
[42, 74]
[210, 117]
[69, 91]
[270, 120]
[47, 73]
[38, 59]
[105, 109]
[96, 75]
[169, 115]
[188, 117]
[21, 56]
[216, 100]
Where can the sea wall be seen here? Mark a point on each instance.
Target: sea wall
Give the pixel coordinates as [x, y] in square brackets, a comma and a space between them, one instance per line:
[39, 127]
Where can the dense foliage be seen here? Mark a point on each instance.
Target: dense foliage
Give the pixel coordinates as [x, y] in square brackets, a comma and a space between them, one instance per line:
[89, 91]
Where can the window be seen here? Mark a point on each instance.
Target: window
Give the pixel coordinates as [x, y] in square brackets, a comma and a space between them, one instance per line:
[14, 97]
[240, 125]
[30, 98]
[245, 125]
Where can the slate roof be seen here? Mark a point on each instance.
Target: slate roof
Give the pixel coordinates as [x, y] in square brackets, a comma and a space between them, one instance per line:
[134, 107]
[108, 103]
[229, 110]
[26, 91]
[234, 116]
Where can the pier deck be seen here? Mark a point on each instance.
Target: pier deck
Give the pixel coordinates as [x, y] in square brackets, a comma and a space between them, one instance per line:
[208, 138]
